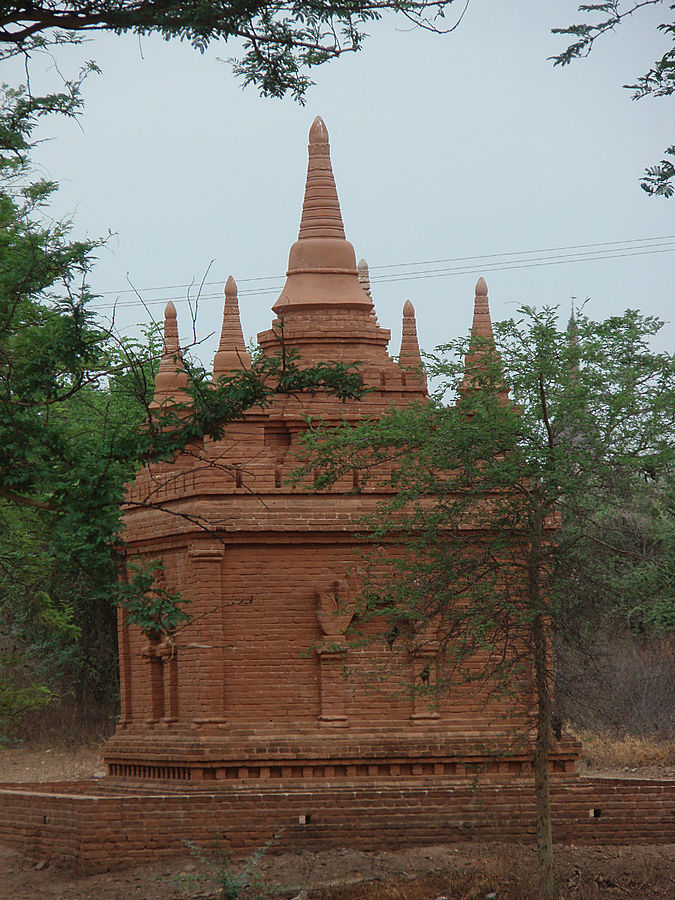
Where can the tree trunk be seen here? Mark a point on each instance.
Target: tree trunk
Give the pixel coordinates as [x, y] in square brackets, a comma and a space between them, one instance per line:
[541, 753]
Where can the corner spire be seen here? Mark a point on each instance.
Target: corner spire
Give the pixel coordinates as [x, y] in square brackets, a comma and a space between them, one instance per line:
[409, 357]
[482, 323]
[481, 342]
[231, 355]
[172, 379]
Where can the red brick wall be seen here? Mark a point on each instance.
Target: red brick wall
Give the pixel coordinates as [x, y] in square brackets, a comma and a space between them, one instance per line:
[102, 829]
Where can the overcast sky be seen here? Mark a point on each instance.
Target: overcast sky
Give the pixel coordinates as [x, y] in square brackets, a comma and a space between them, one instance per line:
[444, 148]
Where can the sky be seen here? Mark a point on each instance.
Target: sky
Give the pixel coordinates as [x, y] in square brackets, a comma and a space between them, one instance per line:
[468, 148]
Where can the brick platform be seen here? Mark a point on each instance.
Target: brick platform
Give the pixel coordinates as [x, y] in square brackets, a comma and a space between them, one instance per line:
[98, 825]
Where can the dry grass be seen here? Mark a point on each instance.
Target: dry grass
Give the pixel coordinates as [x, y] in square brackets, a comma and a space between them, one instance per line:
[607, 751]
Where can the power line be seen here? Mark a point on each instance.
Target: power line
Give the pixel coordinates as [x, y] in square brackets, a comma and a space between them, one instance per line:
[487, 266]
[431, 262]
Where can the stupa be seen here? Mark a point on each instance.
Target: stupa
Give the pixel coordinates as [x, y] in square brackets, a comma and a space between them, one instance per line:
[263, 683]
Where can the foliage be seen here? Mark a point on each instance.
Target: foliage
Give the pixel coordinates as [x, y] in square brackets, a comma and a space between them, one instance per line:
[658, 81]
[147, 603]
[17, 698]
[482, 483]
[280, 39]
[625, 550]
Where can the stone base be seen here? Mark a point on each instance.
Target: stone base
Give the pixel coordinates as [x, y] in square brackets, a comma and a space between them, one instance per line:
[102, 825]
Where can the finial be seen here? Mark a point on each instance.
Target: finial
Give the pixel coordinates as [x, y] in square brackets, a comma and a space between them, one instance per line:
[230, 287]
[170, 329]
[481, 287]
[408, 310]
[318, 133]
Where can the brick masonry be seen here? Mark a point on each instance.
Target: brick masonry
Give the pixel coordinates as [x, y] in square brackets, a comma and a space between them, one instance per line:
[93, 826]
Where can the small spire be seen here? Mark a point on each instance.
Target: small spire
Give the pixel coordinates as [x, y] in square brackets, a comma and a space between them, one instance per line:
[572, 327]
[482, 341]
[231, 355]
[321, 216]
[409, 357]
[482, 323]
[364, 276]
[172, 379]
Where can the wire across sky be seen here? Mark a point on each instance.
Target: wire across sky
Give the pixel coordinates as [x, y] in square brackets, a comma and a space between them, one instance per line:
[406, 271]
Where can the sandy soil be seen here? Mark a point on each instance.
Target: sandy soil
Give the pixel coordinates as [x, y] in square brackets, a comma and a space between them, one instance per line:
[466, 872]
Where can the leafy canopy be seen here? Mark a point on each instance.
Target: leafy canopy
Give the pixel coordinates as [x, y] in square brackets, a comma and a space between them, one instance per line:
[280, 39]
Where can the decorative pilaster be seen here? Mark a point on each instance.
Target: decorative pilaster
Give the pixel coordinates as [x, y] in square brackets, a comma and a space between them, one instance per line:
[126, 709]
[206, 632]
[335, 610]
[167, 653]
[155, 680]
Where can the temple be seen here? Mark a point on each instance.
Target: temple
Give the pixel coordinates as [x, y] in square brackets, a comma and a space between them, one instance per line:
[263, 683]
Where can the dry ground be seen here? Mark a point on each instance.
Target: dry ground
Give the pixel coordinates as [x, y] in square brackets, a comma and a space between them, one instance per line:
[467, 872]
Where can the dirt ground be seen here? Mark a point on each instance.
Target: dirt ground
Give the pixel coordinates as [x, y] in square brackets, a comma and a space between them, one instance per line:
[465, 872]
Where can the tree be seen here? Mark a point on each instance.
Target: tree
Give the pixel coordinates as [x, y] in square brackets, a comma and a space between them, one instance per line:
[281, 38]
[658, 81]
[482, 484]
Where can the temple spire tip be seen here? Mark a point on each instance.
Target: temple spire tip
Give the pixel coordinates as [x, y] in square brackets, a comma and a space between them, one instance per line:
[408, 310]
[230, 287]
[318, 133]
[481, 287]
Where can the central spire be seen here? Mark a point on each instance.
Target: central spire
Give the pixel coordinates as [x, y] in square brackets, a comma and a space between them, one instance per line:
[321, 215]
[321, 248]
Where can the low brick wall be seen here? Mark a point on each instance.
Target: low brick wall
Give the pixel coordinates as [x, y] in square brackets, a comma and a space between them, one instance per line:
[95, 826]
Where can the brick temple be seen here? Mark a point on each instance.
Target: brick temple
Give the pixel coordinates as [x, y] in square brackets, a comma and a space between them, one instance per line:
[258, 719]
[262, 683]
